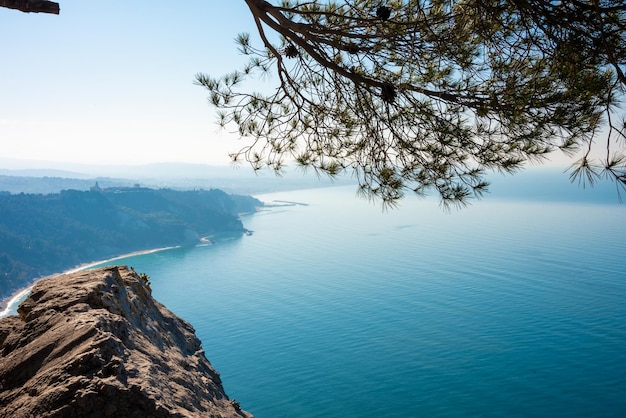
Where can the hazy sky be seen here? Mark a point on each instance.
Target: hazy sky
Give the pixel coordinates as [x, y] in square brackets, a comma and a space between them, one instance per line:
[112, 82]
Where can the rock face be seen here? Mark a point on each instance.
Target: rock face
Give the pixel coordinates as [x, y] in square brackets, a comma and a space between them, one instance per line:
[96, 344]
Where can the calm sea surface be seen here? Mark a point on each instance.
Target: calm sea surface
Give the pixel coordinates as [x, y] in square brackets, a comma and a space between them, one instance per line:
[337, 309]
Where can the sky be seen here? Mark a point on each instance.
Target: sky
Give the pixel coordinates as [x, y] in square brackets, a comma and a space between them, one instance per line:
[112, 82]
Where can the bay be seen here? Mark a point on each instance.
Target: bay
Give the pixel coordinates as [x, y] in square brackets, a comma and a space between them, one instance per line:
[335, 308]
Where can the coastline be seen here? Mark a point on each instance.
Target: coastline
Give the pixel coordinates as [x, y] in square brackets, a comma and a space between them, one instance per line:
[7, 303]
[95, 263]
[11, 301]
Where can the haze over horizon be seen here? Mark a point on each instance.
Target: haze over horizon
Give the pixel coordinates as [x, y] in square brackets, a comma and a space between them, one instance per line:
[114, 84]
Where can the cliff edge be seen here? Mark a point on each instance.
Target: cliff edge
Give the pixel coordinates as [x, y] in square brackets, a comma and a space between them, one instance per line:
[95, 343]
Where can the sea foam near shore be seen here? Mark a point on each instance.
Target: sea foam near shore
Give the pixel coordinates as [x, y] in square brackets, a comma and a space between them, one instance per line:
[11, 304]
[14, 302]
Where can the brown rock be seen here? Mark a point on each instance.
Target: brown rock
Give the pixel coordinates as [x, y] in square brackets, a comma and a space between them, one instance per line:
[96, 344]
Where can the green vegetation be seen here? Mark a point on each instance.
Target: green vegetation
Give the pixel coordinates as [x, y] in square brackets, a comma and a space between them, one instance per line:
[145, 278]
[11, 184]
[430, 95]
[45, 234]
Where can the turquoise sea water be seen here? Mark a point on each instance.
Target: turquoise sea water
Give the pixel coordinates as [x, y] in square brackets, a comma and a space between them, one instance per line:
[337, 309]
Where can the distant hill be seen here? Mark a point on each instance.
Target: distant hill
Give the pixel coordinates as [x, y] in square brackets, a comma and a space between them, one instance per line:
[15, 184]
[44, 234]
[50, 177]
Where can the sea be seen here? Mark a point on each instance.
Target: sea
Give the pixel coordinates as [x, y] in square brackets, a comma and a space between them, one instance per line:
[334, 307]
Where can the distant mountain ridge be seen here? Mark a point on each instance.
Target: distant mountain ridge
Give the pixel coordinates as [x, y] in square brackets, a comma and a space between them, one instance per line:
[51, 177]
[540, 183]
[46, 234]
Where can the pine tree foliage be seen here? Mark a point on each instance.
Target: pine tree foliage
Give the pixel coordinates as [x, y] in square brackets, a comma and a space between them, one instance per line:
[431, 95]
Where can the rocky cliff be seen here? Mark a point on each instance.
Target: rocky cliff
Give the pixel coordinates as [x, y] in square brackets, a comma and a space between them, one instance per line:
[96, 344]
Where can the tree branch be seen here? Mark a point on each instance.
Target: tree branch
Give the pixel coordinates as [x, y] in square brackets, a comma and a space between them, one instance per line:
[32, 6]
[272, 17]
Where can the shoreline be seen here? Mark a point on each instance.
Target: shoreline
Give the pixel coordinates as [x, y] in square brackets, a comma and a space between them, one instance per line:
[7, 303]
[95, 263]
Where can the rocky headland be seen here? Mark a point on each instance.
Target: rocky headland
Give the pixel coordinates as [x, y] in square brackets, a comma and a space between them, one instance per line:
[96, 344]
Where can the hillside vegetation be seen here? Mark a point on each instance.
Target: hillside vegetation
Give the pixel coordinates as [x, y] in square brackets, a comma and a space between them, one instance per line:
[45, 234]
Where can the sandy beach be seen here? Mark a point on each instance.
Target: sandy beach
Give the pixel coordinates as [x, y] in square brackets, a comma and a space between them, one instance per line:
[7, 303]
